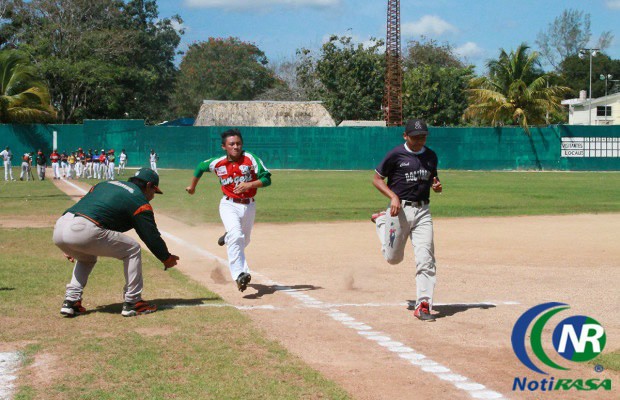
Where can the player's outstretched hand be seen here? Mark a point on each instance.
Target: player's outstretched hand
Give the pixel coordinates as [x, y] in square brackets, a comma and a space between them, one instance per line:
[190, 190]
[170, 261]
[68, 257]
[437, 188]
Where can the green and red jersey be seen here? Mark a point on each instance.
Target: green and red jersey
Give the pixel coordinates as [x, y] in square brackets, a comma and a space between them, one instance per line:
[248, 168]
[121, 206]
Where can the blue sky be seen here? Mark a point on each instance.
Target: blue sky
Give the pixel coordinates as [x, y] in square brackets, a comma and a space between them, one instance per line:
[476, 28]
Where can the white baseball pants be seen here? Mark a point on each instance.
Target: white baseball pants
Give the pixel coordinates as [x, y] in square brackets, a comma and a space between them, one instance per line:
[416, 223]
[111, 171]
[154, 166]
[25, 171]
[8, 171]
[85, 241]
[238, 221]
[56, 170]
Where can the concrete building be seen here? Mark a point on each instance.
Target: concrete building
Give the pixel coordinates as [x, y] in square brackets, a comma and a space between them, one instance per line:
[603, 110]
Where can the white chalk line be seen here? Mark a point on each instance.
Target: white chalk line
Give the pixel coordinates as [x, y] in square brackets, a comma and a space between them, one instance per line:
[474, 389]
[9, 363]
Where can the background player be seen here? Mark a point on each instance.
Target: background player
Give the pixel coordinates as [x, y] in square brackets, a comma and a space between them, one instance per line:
[153, 158]
[411, 172]
[122, 162]
[7, 157]
[240, 174]
[92, 228]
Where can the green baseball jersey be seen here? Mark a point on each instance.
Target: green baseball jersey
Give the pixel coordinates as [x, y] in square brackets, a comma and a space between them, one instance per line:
[247, 168]
[121, 206]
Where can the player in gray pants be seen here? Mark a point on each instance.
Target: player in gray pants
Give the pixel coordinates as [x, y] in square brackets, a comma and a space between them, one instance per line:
[93, 228]
[411, 172]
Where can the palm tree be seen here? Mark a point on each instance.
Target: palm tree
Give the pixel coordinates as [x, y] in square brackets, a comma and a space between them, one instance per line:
[515, 92]
[24, 98]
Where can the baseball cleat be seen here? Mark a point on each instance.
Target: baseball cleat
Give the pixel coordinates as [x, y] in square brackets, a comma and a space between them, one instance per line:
[422, 312]
[242, 281]
[72, 308]
[222, 240]
[376, 215]
[138, 308]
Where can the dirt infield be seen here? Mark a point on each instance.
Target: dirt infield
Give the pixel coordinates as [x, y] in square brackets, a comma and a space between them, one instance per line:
[324, 291]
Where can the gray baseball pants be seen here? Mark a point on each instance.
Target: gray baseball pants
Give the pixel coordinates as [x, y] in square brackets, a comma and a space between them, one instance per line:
[85, 241]
[416, 223]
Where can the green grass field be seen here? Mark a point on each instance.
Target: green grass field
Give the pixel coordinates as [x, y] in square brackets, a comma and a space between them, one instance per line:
[297, 196]
[184, 353]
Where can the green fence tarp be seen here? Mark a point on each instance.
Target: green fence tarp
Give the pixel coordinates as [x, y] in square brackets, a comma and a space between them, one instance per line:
[340, 148]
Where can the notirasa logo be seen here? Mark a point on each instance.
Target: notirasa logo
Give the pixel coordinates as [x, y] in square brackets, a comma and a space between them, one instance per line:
[578, 338]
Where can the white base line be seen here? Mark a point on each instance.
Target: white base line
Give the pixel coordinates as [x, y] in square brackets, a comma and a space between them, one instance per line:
[474, 389]
[9, 362]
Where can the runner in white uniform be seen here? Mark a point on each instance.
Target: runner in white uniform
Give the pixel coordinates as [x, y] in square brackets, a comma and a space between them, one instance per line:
[240, 174]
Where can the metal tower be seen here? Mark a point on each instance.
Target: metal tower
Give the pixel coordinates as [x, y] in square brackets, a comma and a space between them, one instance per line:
[392, 96]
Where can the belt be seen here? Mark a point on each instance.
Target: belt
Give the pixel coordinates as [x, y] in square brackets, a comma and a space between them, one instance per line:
[415, 203]
[240, 201]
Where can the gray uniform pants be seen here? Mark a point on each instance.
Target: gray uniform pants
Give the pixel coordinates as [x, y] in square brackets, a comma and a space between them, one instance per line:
[84, 240]
[417, 223]
[41, 171]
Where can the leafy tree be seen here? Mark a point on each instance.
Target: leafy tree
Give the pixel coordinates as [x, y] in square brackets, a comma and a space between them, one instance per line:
[220, 69]
[434, 83]
[101, 59]
[575, 73]
[348, 78]
[287, 86]
[430, 52]
[515, 92]
[24, 98]
[566, 35]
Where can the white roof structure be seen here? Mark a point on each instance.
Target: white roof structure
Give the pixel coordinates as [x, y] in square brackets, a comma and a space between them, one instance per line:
[263, 113]
[600, 111]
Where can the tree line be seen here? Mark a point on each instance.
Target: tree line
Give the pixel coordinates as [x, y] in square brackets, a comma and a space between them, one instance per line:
[71, 60]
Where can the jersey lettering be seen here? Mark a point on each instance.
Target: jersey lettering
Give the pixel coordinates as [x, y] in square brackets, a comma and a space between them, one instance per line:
[119, 184]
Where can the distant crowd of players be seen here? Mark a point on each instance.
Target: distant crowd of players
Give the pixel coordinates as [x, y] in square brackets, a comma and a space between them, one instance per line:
[74, 165]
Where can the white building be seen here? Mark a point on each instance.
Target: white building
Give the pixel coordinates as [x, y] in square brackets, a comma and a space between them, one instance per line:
[601, 111]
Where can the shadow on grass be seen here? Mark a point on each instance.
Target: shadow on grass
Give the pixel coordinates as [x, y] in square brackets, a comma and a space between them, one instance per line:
[262, 290]
[448, 310]
[162, 305]
[6, 289]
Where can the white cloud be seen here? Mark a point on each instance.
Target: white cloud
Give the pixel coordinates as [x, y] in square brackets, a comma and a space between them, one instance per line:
[247, 5]
[469, 50]
[428, 25]
[613, 4]
[179, 26]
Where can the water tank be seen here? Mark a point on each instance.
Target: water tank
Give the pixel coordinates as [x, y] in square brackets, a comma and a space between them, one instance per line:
[583, 95]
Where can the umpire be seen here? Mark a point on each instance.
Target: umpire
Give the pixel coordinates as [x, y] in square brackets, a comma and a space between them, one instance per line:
[92, 228]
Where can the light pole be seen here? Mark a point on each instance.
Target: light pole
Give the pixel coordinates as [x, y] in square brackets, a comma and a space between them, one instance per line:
[607, 78]
[582, 54]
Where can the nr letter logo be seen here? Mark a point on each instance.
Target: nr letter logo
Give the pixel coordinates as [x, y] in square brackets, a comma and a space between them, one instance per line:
[578, 338]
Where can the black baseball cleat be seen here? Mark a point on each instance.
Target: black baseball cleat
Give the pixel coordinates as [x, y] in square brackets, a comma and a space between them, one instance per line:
[242, 281]
[138, 308]
[423, 313]
[222, 240]
[72, 308]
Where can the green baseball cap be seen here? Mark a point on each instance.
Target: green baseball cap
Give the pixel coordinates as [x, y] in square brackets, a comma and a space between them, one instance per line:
[148, 175]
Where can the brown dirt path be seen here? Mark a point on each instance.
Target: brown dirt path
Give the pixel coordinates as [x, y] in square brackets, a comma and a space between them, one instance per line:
[339, 279]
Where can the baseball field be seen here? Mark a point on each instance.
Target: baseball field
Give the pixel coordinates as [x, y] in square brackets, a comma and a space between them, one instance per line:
[324, 316]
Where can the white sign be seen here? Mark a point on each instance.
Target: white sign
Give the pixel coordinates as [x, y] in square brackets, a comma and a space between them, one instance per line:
[590, 147]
